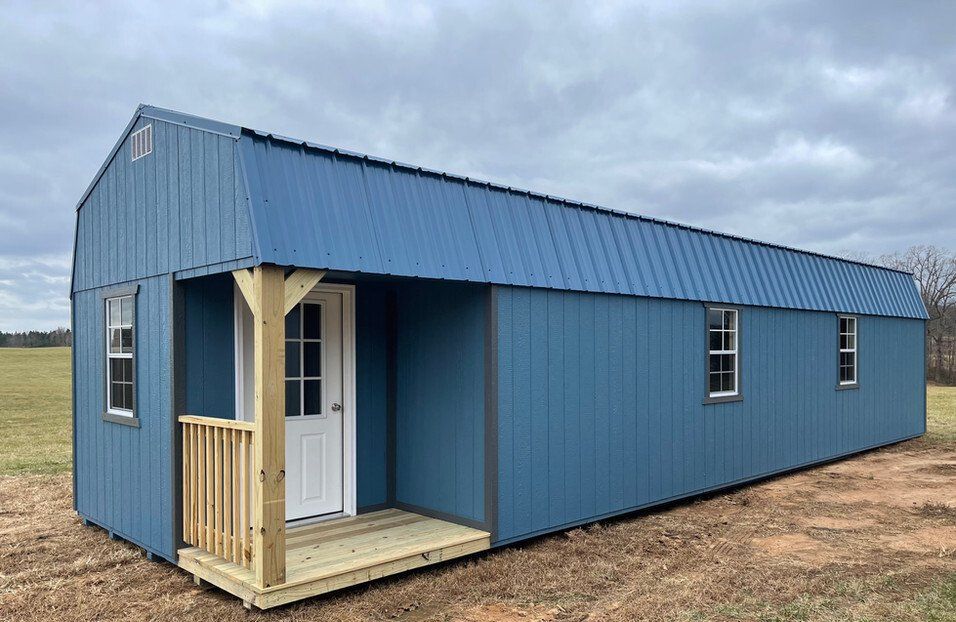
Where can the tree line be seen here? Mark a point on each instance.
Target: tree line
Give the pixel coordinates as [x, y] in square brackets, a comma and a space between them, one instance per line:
[37, 338]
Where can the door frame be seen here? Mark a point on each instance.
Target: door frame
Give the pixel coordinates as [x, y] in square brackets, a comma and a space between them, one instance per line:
[241, 344]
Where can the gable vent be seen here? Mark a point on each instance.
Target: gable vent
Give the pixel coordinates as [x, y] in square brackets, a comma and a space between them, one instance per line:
[142, 141]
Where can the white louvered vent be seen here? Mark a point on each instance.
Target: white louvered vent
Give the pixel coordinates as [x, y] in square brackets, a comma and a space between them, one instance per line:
[142, 141]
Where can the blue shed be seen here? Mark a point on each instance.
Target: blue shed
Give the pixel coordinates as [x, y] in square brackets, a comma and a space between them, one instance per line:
[297, 368]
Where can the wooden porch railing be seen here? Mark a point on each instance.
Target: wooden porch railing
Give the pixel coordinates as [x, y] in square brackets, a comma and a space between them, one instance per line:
[217, 486]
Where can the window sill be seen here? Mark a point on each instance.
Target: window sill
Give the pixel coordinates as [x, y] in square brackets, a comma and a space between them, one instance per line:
[132, 422]
[723, 399]
[844, 387]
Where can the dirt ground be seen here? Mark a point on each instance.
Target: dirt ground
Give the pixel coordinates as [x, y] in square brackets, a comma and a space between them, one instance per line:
[870, 538]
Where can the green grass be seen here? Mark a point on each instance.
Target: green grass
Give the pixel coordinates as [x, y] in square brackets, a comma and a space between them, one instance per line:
[35, 410]
[941, 414]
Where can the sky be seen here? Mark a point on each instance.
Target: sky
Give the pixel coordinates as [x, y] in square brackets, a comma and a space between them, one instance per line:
[828, 126]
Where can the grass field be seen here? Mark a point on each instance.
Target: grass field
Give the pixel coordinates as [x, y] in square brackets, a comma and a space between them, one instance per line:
[35, 410]
[864, 539]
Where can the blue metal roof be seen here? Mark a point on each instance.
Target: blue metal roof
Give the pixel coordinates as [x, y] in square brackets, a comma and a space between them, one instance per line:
[320, 207]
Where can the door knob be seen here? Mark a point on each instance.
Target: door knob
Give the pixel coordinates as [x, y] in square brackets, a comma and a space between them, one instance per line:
[336, 407]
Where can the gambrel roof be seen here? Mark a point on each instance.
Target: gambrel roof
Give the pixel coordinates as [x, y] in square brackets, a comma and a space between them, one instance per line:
[315, 206]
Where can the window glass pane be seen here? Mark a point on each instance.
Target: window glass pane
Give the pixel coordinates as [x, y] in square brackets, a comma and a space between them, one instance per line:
[126, 304]
[313, 397]
[292, 359]
[714, 362]
[293, 407]
[114, 312]
[843, 342]
[730, 340]
[715, 340]
[851, 359]
[730, 320]
[116, 395]
[115, 340]
[714, 318]
[312, 321]
[843, 325]
[292, 323]
[844, 359]
[714, 383]
[128, 396]
[727, 382]
[727, 362]
[313, 358]
[116, 370]
[127, 339]
[851, 342]
[127, 370]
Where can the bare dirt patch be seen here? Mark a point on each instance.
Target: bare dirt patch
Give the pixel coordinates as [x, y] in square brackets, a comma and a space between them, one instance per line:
[871, 537]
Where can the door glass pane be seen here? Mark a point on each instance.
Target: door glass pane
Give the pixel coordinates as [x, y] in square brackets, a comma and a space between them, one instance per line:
[313, 397]
[312, 321]
[313, 358]
[292, 323]
[292, 359]
[293, 406]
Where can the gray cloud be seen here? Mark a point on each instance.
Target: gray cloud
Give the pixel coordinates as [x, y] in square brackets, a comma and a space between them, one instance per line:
[822, 125]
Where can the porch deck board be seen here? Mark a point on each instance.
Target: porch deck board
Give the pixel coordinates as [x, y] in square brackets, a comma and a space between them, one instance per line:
[342, 552]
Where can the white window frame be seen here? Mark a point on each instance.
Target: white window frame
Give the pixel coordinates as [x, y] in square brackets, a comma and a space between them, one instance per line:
[854, 350]
[120, 412]
[735, 351]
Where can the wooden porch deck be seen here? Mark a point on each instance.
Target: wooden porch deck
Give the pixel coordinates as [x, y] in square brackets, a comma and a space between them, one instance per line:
[339, 553]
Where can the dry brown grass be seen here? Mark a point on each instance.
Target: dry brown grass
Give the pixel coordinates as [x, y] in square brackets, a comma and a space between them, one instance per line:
[870, 538]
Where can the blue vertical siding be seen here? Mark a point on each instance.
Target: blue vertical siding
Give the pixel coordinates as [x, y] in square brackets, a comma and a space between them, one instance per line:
[210, 347]
[183, 206]
[370, 395]
[124, 474]
[439, 401]
[600, 401]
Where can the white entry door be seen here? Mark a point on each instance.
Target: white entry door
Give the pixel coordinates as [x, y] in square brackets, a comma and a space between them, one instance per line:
[313, 406]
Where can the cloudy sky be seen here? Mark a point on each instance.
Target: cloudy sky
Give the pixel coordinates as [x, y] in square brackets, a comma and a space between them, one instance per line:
[829, 126]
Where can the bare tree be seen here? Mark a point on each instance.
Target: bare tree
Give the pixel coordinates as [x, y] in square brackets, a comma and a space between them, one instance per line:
[934, 270]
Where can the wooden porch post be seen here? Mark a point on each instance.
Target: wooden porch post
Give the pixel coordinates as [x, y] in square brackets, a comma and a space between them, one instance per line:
[270, 295]
[268, 538]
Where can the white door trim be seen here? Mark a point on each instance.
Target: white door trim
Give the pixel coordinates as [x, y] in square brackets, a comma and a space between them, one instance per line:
[349, 475]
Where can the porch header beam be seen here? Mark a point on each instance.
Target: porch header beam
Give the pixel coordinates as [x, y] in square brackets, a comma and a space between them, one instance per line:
[300, 283]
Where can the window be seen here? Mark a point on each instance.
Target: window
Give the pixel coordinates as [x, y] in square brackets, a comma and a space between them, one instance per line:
[847, 350]
[303, 360]
[141, 142]
[120, 380]
[722, 350]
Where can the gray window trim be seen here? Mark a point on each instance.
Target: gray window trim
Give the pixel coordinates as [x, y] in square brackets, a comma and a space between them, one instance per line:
[856, 350]
[723, 399]
[106, 294]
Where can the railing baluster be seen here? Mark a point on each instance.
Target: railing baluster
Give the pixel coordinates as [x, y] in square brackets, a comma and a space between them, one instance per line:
[217, 487]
